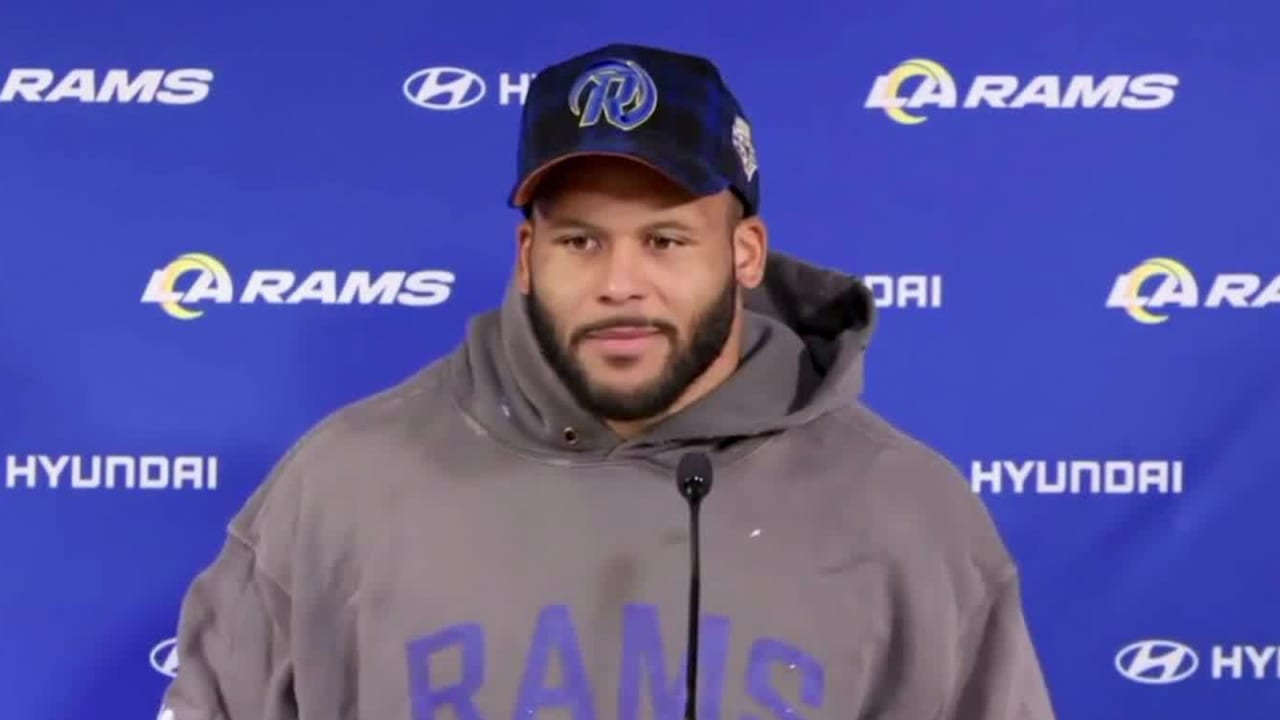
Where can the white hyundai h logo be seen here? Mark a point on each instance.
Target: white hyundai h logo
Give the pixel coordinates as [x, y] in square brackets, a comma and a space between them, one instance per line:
[444, 88]
[164, 657]
[1157, 662]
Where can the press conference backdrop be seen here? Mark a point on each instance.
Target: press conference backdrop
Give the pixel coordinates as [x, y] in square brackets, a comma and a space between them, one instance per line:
[1066, 210]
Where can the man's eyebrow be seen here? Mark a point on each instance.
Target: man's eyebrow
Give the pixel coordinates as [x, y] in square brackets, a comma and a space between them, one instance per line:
[670, 224]
[571, 221]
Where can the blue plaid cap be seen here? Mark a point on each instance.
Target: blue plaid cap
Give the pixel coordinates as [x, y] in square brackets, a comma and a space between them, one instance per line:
[668, 110]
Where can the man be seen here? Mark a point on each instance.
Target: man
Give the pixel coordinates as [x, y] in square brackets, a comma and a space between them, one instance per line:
[500, 536]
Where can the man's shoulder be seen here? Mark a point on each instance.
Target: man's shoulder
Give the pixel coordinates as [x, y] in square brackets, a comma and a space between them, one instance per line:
[355, 440]
[381, 416]
[857, 433]
[899, 481]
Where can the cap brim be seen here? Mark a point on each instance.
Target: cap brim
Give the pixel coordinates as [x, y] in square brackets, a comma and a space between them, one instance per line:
[682, 173]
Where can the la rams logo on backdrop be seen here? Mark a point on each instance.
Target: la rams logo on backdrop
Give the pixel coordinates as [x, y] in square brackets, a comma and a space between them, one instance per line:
[1178, 287]
[620, 91]
[937, 88]
[213, 283]
[936, 77]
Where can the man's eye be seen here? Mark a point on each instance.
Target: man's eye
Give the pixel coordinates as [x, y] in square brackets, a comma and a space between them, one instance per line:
[663, 242]
[578, 242]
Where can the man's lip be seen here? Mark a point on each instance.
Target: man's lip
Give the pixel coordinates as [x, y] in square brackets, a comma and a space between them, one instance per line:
[626, 333]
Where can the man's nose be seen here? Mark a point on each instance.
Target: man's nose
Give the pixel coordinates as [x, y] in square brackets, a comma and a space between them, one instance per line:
[623, 274]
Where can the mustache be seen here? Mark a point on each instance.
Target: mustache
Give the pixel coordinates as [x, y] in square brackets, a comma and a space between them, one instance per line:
[625, 321]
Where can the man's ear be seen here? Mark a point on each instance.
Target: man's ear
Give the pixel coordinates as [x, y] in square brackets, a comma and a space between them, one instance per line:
[750, 250]
[524, 251]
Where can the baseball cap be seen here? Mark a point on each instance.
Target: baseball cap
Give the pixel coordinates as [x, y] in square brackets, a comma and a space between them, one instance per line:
[668, 110]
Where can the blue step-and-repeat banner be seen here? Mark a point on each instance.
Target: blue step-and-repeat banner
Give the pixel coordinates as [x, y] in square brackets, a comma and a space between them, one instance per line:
[1069, 211]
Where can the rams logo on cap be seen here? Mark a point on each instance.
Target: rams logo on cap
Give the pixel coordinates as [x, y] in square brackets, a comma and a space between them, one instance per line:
[618, 90]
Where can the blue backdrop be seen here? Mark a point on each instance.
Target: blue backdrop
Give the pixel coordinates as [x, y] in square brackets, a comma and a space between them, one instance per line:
[1067, 209]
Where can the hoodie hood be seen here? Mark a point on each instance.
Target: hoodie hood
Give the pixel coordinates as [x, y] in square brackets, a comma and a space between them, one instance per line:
[806, 333]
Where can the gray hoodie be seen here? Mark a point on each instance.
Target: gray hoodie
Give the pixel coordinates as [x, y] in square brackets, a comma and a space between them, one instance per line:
[470, 544]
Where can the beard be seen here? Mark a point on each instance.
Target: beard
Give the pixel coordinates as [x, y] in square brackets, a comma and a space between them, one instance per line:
[687, 362]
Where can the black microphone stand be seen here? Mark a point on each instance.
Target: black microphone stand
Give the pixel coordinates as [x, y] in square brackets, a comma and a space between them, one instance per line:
[693, 476]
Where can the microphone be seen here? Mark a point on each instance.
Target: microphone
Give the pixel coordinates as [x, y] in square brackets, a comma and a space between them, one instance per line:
[693, 478]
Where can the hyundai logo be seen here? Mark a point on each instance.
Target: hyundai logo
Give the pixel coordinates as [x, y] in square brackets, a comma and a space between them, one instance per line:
[1157, 662]
[444, 88]
[164, 657]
